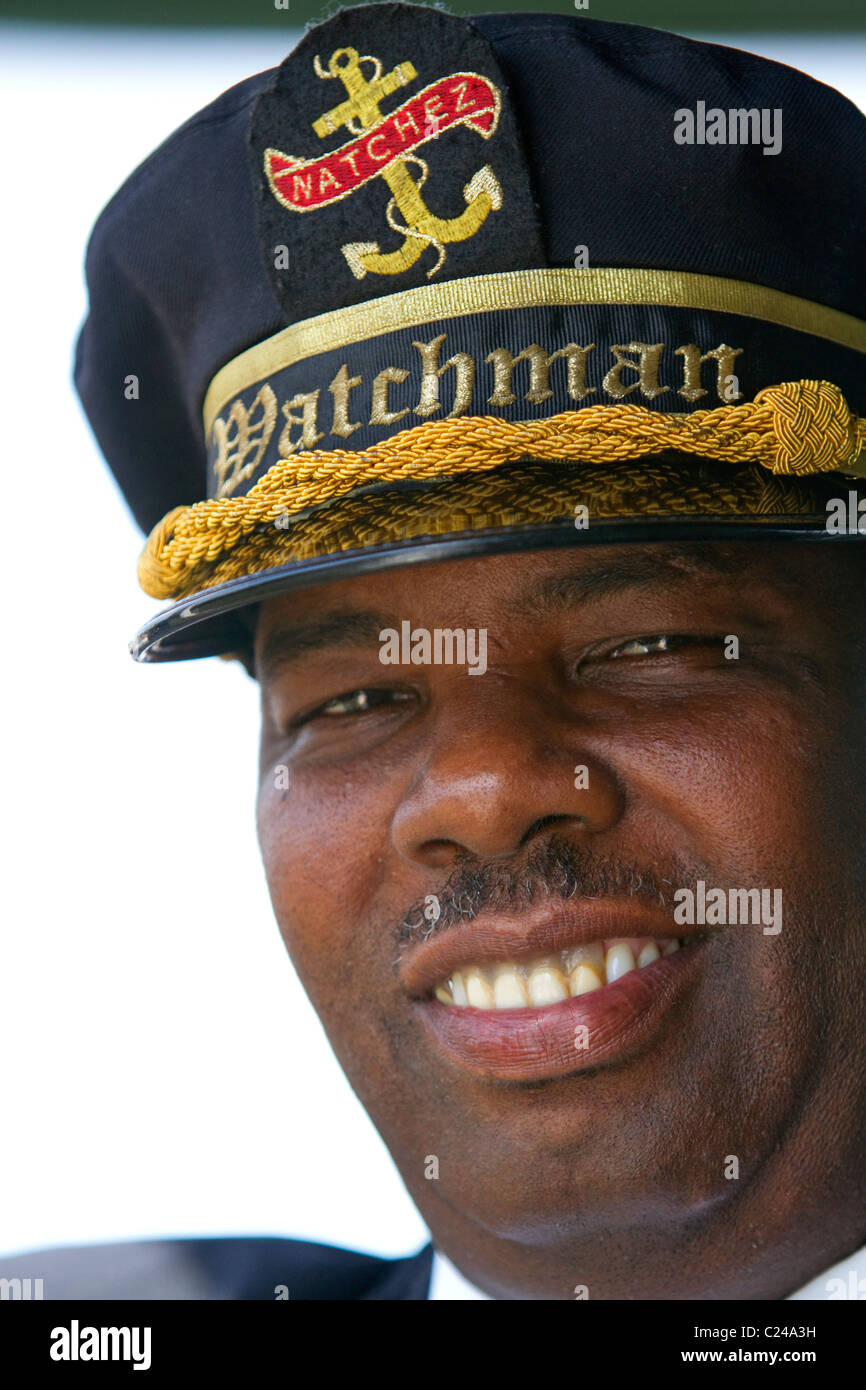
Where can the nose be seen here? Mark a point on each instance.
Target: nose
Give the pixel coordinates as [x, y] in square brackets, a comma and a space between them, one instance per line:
[500, 767]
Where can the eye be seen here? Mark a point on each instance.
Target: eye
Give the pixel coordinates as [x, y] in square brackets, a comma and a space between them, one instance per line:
[662, 642]
[653, 657]
[353, 702]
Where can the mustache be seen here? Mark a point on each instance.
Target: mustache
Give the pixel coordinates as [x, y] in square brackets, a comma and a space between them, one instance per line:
[556, 870]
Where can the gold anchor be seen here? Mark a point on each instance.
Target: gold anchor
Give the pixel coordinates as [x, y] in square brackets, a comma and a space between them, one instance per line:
[482, 193]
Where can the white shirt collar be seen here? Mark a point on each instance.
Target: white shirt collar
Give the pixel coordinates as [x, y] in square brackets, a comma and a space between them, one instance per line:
[847, 1279]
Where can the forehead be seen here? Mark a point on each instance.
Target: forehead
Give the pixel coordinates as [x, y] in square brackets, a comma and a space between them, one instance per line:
[543, 579]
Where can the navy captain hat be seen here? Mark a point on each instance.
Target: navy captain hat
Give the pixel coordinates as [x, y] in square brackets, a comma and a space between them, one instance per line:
[439, 287]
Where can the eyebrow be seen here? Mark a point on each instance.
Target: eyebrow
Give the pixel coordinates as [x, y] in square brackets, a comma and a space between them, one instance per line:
[352, 627]
[644, 571]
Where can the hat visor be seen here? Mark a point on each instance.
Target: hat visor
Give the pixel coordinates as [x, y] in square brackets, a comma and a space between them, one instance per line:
[209, 623]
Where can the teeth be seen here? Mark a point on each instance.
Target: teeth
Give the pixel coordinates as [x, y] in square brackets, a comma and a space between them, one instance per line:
[547, 986]
[587, 968]
[509, 990]
[591, 955]
[478, 992]
[550, 979]
[582, 979]
[619, 961]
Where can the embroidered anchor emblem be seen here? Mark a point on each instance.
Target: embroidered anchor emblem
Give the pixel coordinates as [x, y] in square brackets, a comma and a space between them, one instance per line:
[383, 147]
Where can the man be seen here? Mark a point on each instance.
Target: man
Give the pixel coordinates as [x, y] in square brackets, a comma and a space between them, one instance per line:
[503, 376]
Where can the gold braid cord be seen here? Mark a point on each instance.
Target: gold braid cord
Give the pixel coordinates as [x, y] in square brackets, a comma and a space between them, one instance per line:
[798, 429]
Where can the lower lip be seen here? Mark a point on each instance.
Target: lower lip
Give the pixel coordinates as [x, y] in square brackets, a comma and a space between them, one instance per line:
[536, 1044]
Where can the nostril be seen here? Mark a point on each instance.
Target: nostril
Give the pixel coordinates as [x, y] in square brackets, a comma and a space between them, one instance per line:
[439, 854]
[545, 821]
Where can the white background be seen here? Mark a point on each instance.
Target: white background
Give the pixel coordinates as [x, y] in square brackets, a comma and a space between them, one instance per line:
[162, 1072]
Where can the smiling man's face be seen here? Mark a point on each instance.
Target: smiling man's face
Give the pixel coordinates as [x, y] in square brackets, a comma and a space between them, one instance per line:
[690, 1127]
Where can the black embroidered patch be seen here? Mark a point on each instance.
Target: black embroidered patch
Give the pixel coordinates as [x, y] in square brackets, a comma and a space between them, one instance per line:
[384, 156]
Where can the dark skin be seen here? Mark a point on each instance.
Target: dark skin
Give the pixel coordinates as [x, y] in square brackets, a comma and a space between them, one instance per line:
[752, 770]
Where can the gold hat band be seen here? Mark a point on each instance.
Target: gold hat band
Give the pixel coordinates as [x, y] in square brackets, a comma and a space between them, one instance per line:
[798, 428]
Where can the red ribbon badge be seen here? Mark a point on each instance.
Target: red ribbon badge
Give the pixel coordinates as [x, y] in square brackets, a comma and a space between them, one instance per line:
[464, 98]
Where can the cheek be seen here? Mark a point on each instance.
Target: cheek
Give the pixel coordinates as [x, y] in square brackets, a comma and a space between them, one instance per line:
[759, 785]
[323, 845]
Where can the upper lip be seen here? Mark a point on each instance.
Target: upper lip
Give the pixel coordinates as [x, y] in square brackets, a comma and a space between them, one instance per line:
[540, 928]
